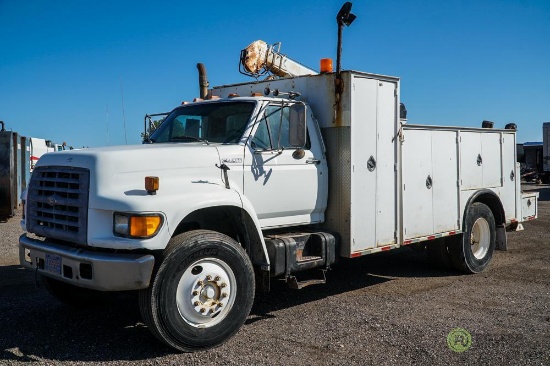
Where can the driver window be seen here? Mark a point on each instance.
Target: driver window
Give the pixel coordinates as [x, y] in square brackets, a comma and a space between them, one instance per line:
[272, 131]
[261, 137]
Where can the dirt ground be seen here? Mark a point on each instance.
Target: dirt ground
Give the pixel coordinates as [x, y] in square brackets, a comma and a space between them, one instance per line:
[384, 309]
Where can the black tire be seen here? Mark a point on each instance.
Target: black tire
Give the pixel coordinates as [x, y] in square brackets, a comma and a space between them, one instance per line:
[77, 297]
[472, 252]
[201, 293]
[438, 255]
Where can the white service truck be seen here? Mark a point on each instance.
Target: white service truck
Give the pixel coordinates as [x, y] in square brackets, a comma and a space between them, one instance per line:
[261, 180]
[38, 147]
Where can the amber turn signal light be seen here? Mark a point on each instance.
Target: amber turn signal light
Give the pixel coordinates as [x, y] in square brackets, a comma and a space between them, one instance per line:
[144, 226]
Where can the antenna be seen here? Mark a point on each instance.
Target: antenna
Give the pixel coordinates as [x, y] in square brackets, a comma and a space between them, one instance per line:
[123, 113]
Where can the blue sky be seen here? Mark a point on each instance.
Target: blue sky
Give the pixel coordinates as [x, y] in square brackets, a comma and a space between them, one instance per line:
[65, 65]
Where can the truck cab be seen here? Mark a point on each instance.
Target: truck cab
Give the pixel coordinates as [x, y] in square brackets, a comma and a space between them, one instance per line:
[251, 135]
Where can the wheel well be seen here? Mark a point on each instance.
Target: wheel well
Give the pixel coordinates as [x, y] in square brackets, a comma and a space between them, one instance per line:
[229, 220]
[492, 201]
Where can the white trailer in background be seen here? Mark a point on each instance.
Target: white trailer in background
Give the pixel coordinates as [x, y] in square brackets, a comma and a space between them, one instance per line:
[39, 147]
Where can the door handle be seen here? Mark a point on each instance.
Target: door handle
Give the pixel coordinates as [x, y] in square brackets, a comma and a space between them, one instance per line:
[313, 161]
[371, 164]
[429, 182]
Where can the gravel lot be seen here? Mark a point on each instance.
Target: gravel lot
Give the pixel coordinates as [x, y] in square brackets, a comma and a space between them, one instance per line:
[389, 308]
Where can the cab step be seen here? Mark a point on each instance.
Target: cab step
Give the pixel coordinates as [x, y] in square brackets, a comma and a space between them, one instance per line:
[293, 282]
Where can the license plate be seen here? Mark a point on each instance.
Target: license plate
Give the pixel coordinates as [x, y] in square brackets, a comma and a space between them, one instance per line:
[53, 263]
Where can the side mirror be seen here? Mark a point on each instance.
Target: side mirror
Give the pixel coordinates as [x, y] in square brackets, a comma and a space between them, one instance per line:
[297, 125]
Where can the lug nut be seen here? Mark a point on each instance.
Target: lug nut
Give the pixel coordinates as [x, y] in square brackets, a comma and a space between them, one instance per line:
[195, 293]
[220, 304]
[223, 285]
[217, 278]
[202, 310]
[224, 294]
[208, 278]
[197, 303]
[200, 283]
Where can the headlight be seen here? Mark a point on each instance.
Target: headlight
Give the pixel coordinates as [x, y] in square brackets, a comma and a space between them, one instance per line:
[136, 225]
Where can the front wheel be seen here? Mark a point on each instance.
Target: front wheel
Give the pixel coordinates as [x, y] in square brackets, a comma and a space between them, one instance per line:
[201, 293]
[473, 252]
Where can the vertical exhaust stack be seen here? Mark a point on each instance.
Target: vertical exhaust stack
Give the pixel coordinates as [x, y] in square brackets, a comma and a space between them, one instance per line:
[3, 127]
[203, 81]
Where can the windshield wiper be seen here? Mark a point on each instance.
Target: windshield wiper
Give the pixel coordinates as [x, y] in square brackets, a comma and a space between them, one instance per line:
[185, 137]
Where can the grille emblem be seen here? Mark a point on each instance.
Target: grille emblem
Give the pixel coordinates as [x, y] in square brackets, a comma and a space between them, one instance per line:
[51, 201]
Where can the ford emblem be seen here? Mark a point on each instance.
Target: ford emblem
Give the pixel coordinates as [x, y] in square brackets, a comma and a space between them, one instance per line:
[51, 201]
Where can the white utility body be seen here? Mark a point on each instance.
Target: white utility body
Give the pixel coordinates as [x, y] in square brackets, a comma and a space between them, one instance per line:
[244, 187]
[392, 183]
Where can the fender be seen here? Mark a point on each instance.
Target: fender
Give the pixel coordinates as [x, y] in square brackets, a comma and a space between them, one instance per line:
[174, 207]
[492, 200]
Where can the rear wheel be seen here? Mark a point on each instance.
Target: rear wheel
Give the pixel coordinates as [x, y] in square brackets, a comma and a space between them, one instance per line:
[201, 293]
[474, 251]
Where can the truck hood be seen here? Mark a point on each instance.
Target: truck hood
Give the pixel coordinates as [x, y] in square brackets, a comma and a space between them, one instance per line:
[121, 170]
[133, 158]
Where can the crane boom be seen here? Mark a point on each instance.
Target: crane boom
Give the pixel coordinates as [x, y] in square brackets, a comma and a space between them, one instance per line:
[259, 58]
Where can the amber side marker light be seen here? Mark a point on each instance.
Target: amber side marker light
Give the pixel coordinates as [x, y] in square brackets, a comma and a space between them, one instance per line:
[326, 65]
[152, 185]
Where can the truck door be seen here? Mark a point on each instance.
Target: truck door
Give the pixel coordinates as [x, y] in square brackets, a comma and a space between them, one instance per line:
[286, 186]
[430, 182]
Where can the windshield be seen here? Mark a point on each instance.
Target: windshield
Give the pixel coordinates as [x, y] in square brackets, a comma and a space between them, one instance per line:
[222, 122]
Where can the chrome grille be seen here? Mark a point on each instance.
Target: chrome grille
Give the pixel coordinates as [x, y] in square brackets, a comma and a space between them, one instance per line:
[57, 203]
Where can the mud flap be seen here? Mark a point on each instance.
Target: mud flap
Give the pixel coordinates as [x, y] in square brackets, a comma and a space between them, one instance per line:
[501, 243]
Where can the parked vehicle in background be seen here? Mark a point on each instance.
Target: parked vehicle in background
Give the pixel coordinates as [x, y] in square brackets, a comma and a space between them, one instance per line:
[545, 176]
[18, 155]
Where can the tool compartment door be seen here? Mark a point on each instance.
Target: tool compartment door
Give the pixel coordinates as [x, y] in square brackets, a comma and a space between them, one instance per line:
[445, 181]
[430, 182]
[417, 197]
[373, 210]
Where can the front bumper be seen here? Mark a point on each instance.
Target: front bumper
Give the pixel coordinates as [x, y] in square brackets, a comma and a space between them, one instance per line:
[84, 268]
